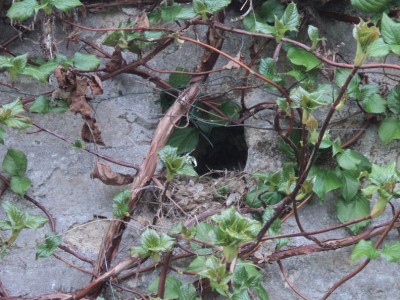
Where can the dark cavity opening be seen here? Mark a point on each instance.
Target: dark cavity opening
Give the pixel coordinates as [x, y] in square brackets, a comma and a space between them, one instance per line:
[225, 149]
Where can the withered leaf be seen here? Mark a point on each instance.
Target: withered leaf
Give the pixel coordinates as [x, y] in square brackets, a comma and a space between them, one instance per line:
[78, 104]
[143, 21]
[91, 133]
[96, 86]
[232, 65]
[116, 60]
[103, 172]
[66, 79]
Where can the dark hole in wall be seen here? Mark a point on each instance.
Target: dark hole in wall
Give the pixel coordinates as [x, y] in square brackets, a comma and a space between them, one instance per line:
[225, 149]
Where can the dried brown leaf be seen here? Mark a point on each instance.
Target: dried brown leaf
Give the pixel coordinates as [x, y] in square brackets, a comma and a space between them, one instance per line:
[91, 132]
[103, 172]
[233, 65]
[143, 21]
[96, 86]
[116, 60]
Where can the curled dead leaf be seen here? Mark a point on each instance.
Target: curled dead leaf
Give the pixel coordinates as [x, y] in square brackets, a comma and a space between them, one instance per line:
[233, 65]
[91, 132]
[116, 60]
[143, 20]
[96, 86]
[104, 173]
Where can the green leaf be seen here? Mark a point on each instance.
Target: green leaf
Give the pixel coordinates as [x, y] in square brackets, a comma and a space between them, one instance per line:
[382, 175]
[389, 130]
[341, 76]
[326, 180]
[20, 184]
[351, 184]
[391, 252]
[215, 6]
[313, 34]
[353, 160]
[370, 6]
[49, 245]
[15, 216]
[303, 58]
[379, 48]
[184, 139]
[179, 81]
[17, 122]
[364, 249]
[390, 30]
[32, 221]
[291, 18]
[187, 292]
[197, 265]
[121, 203]
[15, 162]
[114, 39]
[393, 100]
[357, 207]
[86, 62]
[40, 105]
[170, 13]
[65, 5]
[2, 135]
[172, 287]
[5, 225]
[375, 104]
[269, 9]
[20, 11]
[153, 244]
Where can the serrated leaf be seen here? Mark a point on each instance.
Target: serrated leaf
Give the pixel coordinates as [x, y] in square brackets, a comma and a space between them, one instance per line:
[187, 292]
[390, 30]
[184, 139]
[313, 34]
[20, 11]
[364, 249]
[85, 62]
[271, 9]
[370, 6]
[15, 162]
[393, 100]
[379, 48]
[17, 122]
[375, 104]
[113, 39]
[179, 81]
[40, 105]
[197, 265]
[170, 13]
[303, 58]
[215, 6]
[49, 245]
[5, 225]
[36, 73]
[121, 203]
[357, 207]
[291, 17]
[389, 130]
[156, 242]
[32, 221]
[15, 216]
[20, 184]
[172, 287]
[65, 5]
[381, 175]
[391, 252]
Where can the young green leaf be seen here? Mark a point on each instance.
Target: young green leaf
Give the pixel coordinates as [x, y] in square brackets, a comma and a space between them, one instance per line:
[313, 34]
[177, 165]
[303, 58]
[375, 104]
[153, 244]
[65, 5]
[370, 6]
[390, 30]
[85, 62]
[385, 176]
[49, 245]
[348, 210]
[391, 252]
[365, 35]
[20, 184]
[20, 11]
[389, 130]
[291, 18]
[172, 287]
[15, 162]
[379, 48]
[40, 105]
[364, 249]
[121, 203]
